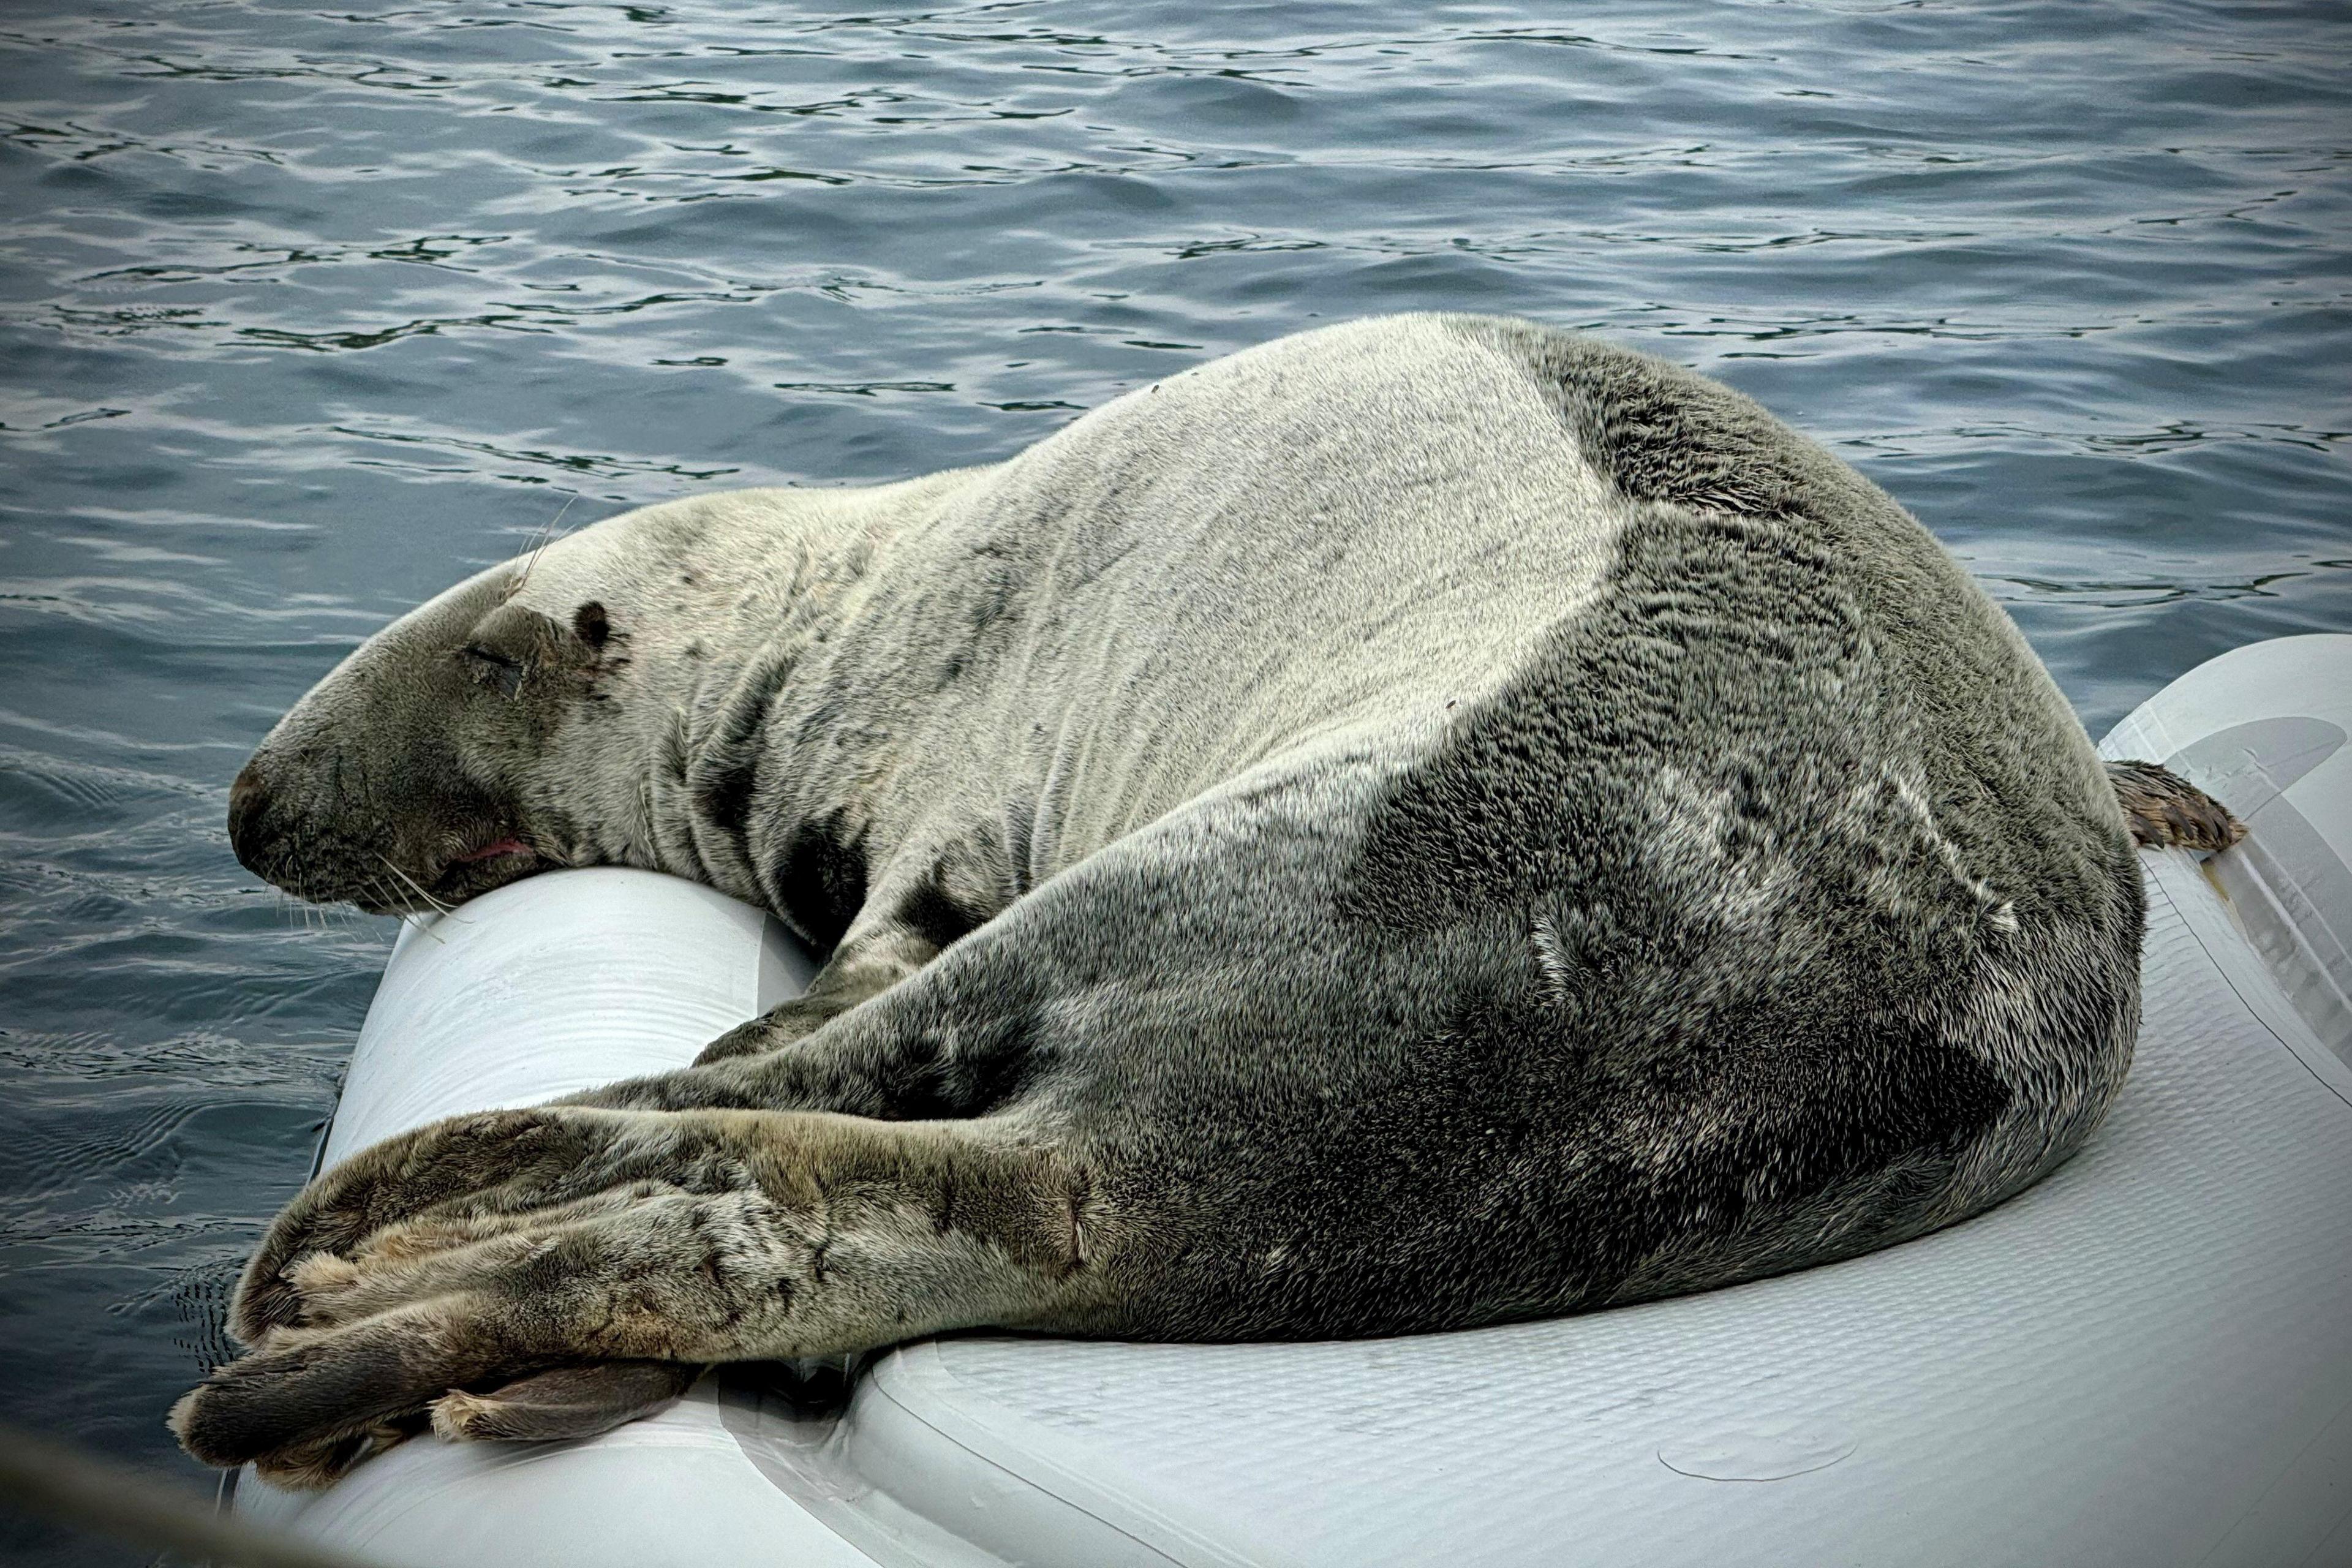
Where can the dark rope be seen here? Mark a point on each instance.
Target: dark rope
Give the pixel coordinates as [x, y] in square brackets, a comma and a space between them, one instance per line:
[71, 1486]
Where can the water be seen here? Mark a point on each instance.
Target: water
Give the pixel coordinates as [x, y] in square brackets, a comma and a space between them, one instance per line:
[306, 313]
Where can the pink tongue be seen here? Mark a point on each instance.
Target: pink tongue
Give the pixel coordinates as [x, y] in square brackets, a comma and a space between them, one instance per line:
[493, 850]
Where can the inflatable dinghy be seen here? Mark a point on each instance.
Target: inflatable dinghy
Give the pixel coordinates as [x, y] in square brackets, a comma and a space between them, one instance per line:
[2145, 1360]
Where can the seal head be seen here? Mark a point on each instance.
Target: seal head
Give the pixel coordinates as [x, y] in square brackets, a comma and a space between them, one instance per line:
[455, 698]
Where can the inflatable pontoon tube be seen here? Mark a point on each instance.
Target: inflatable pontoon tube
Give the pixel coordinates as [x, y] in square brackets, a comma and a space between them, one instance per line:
[2146, 1360]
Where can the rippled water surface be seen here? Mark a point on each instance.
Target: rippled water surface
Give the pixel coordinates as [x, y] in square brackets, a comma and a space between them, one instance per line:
[305, 314]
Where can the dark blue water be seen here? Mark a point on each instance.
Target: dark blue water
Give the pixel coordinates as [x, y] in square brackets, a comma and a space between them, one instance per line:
[304, 314]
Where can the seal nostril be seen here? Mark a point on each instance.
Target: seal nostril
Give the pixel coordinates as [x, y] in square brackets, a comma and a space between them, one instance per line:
[247, 805]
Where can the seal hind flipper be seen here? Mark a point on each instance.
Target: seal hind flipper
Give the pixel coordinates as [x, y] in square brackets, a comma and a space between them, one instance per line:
[2165, 810]
[314, 1466]
[567, 1402]
[794, 1233]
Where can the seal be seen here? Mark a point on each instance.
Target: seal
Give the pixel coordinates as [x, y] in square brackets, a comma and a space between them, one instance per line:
[1424, 823]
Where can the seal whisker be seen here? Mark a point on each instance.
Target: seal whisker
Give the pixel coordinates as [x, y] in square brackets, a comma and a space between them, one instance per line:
[440, 906]
[547, 536]
[417, 922]
[381, 890]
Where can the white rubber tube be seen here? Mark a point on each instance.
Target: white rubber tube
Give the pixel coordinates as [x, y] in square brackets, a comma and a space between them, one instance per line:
[556, 984]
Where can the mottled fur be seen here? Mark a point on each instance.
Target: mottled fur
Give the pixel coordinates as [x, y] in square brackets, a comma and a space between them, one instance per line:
[1424, 823]
[2165, 810]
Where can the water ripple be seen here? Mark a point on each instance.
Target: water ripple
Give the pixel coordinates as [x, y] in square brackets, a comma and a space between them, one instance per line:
[303, 314]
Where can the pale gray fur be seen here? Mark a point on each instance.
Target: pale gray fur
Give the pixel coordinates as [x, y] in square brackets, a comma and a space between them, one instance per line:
[1422, 823]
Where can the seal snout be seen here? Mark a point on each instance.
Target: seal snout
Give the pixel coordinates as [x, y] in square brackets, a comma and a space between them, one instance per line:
[249, 810]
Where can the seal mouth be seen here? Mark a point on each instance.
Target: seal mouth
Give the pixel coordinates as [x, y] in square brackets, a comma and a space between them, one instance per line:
[492, 851]
[492, 864]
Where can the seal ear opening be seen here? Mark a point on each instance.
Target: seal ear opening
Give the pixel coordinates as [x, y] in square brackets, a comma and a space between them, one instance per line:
[593, 625]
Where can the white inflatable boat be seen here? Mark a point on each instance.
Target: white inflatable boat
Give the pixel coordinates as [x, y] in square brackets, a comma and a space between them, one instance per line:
[2146, 1360]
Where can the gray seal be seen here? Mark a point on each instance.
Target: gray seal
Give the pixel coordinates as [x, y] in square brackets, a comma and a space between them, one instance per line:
[1424, 823]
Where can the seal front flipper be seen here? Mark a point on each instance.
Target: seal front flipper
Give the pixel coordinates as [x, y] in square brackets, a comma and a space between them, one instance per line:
[2165, 810]
[910, 919]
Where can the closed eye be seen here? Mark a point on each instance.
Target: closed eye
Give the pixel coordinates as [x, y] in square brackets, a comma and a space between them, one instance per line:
[495, 669]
